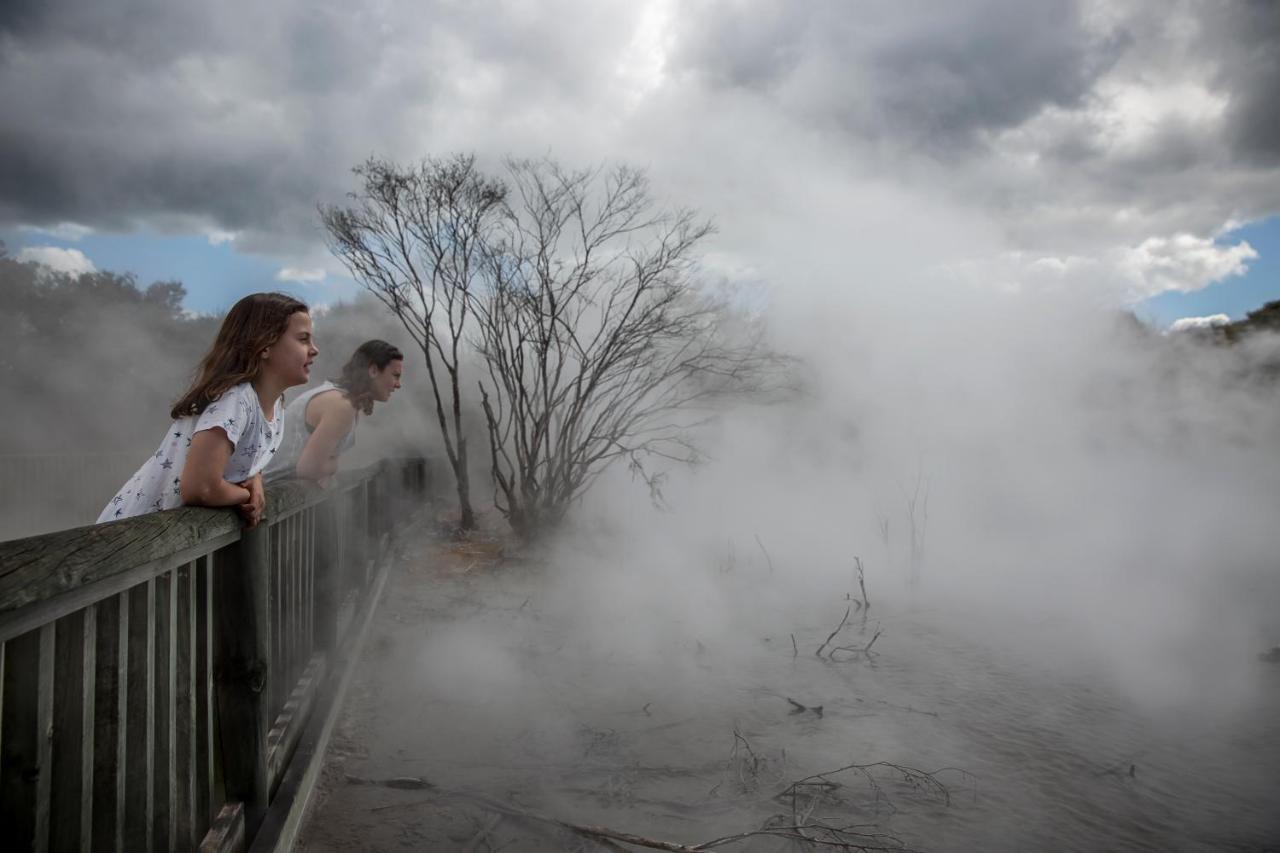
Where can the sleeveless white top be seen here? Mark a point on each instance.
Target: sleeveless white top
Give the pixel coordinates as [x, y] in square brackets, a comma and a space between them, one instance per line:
[296, 432]
[239, 414]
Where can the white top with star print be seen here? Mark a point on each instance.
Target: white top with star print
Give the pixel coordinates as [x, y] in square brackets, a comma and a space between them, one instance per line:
[237, 412]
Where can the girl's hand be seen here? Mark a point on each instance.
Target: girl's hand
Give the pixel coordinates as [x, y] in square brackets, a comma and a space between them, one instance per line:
[252, 509]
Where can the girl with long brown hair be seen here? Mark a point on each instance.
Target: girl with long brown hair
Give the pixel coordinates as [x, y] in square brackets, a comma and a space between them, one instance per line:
[228, 423]
[319, 426]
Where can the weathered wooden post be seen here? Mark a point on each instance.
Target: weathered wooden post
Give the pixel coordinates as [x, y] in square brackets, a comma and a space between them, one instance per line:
[242, 669]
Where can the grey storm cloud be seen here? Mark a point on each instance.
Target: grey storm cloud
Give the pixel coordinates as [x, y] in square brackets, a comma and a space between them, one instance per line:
[242, 116]
[1247, 38]
[935, 73]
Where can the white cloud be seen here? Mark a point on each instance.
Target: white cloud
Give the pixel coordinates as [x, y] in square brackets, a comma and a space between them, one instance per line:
[1209, 322]
[302, 276]
[72, 232]
[1183, 263]
[70, 261]
[218, 237]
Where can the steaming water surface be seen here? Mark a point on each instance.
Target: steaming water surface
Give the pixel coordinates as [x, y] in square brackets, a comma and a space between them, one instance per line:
[491, 683]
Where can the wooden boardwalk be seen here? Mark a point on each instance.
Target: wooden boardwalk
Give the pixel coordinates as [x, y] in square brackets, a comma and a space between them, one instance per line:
[167, 682]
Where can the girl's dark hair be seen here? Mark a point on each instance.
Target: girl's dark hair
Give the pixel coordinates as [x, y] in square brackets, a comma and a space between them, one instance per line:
[253, 324]
[355, 380]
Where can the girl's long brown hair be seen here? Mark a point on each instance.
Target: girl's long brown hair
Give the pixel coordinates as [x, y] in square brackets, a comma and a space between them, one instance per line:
[253, 324]
[355, 379]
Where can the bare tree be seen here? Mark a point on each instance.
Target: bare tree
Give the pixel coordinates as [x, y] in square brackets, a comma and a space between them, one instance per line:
[416, 239]
[598, 343]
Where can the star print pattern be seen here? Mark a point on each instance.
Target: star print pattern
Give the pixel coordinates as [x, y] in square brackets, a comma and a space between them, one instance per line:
[238, 414]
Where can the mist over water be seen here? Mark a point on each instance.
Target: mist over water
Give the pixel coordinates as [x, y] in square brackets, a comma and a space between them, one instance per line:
[1076, 626]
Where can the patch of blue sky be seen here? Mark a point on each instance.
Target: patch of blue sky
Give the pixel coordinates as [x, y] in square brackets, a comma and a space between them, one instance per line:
[1234, 296]
[215, 275]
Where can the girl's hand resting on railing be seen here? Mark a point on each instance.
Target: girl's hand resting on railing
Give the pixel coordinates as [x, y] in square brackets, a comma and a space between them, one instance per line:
[252, 510]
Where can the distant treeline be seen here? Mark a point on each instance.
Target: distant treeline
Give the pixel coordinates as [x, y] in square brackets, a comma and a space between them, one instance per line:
[1264, 319]
[90, 363]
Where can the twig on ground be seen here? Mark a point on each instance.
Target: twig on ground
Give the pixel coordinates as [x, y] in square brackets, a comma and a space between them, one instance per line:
[403, 783]
[862, 583]
[797, 708]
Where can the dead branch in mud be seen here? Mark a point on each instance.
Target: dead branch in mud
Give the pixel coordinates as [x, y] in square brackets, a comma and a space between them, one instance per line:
[823, 787]
[865, 651]
[745, 760]
[849, 837]
[839, 627]
[730, 561]
[767, 558]
[862, 583]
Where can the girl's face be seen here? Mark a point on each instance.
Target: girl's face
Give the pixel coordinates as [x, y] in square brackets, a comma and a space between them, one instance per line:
[386, 380]
[289, 358]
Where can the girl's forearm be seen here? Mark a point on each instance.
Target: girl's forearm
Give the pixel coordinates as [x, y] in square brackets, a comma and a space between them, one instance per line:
[216, 493]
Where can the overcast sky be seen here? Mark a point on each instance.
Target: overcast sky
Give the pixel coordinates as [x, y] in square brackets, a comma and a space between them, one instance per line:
[1112, 147]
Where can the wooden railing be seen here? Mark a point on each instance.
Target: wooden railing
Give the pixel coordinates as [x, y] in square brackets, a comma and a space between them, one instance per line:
[156, 673]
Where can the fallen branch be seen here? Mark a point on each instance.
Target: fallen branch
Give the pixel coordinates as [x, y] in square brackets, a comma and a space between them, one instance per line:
[920, 780]
[865, 650]
[832, 636]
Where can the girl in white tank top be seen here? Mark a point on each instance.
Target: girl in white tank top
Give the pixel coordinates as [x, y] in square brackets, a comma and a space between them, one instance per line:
[319, 426]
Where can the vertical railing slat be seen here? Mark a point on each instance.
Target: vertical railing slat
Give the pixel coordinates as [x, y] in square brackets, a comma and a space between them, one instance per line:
[44, 736]
[311, 578]
[122, 719]
[3, 657]
[183, 709]
[205, 792]
[162, 719]
[276, 625]
[20, 756]
[67, 732]
[88, 717]
[244, 678]
[295, 575]
[138, 767]
[211, 799]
